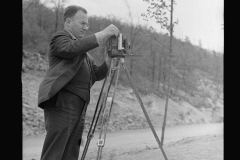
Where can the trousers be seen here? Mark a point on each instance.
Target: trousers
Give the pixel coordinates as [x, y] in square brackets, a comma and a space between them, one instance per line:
[64, 122]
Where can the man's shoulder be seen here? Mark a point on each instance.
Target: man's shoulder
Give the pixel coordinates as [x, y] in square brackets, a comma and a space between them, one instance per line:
[61, 33]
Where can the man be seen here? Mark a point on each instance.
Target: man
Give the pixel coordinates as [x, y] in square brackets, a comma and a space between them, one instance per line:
[64, 92]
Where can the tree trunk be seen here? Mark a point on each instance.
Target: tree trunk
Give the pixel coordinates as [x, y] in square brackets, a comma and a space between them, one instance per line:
[160, 66]
[153, 59]
[159, 73]
[28, 6]
[169, 73]
[164, 71]
[131, 61]
[176, 88]
[56, 22]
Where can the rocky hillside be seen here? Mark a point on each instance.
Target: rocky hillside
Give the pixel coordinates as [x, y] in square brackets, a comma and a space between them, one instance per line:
[126, 113]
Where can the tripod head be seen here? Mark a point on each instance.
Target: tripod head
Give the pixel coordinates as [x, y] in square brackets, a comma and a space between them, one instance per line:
[118, 47]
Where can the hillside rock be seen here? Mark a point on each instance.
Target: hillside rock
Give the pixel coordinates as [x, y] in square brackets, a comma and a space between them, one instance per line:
[34, 63]
[126, 112]
[33, 122]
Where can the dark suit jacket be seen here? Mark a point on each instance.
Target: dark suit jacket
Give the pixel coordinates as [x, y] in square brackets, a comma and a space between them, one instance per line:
[65, 58]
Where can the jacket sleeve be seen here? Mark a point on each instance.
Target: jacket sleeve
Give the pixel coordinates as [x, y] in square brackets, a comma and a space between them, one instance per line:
[100, 71]
[62, 45]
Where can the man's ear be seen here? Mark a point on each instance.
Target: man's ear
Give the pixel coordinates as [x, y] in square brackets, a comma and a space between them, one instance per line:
[68, 22]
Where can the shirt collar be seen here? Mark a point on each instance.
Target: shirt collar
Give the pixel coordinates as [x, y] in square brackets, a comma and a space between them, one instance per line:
[73, 37]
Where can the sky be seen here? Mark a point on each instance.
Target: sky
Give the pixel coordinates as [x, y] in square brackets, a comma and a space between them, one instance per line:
[198, 19]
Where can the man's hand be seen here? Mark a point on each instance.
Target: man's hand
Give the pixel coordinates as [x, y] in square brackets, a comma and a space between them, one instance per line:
[104, 35]
[110, 30]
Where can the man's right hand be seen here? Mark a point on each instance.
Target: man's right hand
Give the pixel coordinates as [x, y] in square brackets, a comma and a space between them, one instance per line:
[110, 30]
[103, 35]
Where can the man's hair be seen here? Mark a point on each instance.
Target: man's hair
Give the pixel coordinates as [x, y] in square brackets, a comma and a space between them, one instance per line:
[70, 11]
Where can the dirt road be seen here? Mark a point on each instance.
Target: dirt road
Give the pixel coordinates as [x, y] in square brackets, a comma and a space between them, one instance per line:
[141, 144]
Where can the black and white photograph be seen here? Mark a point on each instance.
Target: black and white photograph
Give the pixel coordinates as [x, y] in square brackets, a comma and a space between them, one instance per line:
[122, 79]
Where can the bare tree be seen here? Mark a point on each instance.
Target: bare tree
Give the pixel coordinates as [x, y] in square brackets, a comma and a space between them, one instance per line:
[161, 66]
[158, 10]
[134, 32]
[30, 4]
[153, 56]
[58, 4]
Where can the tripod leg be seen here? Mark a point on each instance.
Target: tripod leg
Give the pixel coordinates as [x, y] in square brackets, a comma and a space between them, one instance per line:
[99, 156]
[109, 86]
[104, 126]
[142, 106]
[91, 131]
[95, 120]
[112, 100]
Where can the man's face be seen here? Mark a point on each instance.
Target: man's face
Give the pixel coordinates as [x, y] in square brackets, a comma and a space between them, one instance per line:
[77, 24]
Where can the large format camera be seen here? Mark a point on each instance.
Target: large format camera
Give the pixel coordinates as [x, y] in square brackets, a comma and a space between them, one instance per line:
[117, 46]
